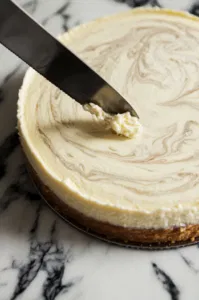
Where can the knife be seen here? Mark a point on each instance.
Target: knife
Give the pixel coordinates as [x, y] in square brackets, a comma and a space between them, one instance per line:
[59, 65]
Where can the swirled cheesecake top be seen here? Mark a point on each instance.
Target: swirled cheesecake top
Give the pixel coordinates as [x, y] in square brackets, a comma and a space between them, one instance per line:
[152, 58]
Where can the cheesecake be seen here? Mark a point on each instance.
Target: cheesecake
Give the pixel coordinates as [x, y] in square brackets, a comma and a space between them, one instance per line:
[140, 188]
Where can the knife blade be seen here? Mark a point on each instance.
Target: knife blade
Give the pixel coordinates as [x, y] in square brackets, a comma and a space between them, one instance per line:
[59, 65]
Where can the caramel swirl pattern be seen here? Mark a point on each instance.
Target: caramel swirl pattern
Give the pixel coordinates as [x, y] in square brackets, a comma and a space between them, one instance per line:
[152, 58]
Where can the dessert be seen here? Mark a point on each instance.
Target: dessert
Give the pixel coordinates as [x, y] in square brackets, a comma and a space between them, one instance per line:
[141, 189]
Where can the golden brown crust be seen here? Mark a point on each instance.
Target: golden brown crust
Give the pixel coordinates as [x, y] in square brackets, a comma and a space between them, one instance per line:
[172, 235]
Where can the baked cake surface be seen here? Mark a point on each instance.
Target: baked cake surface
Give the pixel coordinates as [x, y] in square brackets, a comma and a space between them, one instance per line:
[148, 183]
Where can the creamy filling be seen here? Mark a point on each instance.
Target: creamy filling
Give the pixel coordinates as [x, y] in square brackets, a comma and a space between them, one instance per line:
[151, 58]
[122, 124]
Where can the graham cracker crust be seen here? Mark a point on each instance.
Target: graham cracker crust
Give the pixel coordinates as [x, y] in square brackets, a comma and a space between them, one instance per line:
[111, 232]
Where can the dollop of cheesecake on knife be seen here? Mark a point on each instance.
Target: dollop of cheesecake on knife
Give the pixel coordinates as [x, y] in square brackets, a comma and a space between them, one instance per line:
[144, 188]
[122, 124]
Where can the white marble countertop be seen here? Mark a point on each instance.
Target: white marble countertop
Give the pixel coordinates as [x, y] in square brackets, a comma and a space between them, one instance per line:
[41, 257]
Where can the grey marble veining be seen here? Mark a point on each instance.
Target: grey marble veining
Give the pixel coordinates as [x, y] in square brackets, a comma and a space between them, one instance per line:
[41, 257]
